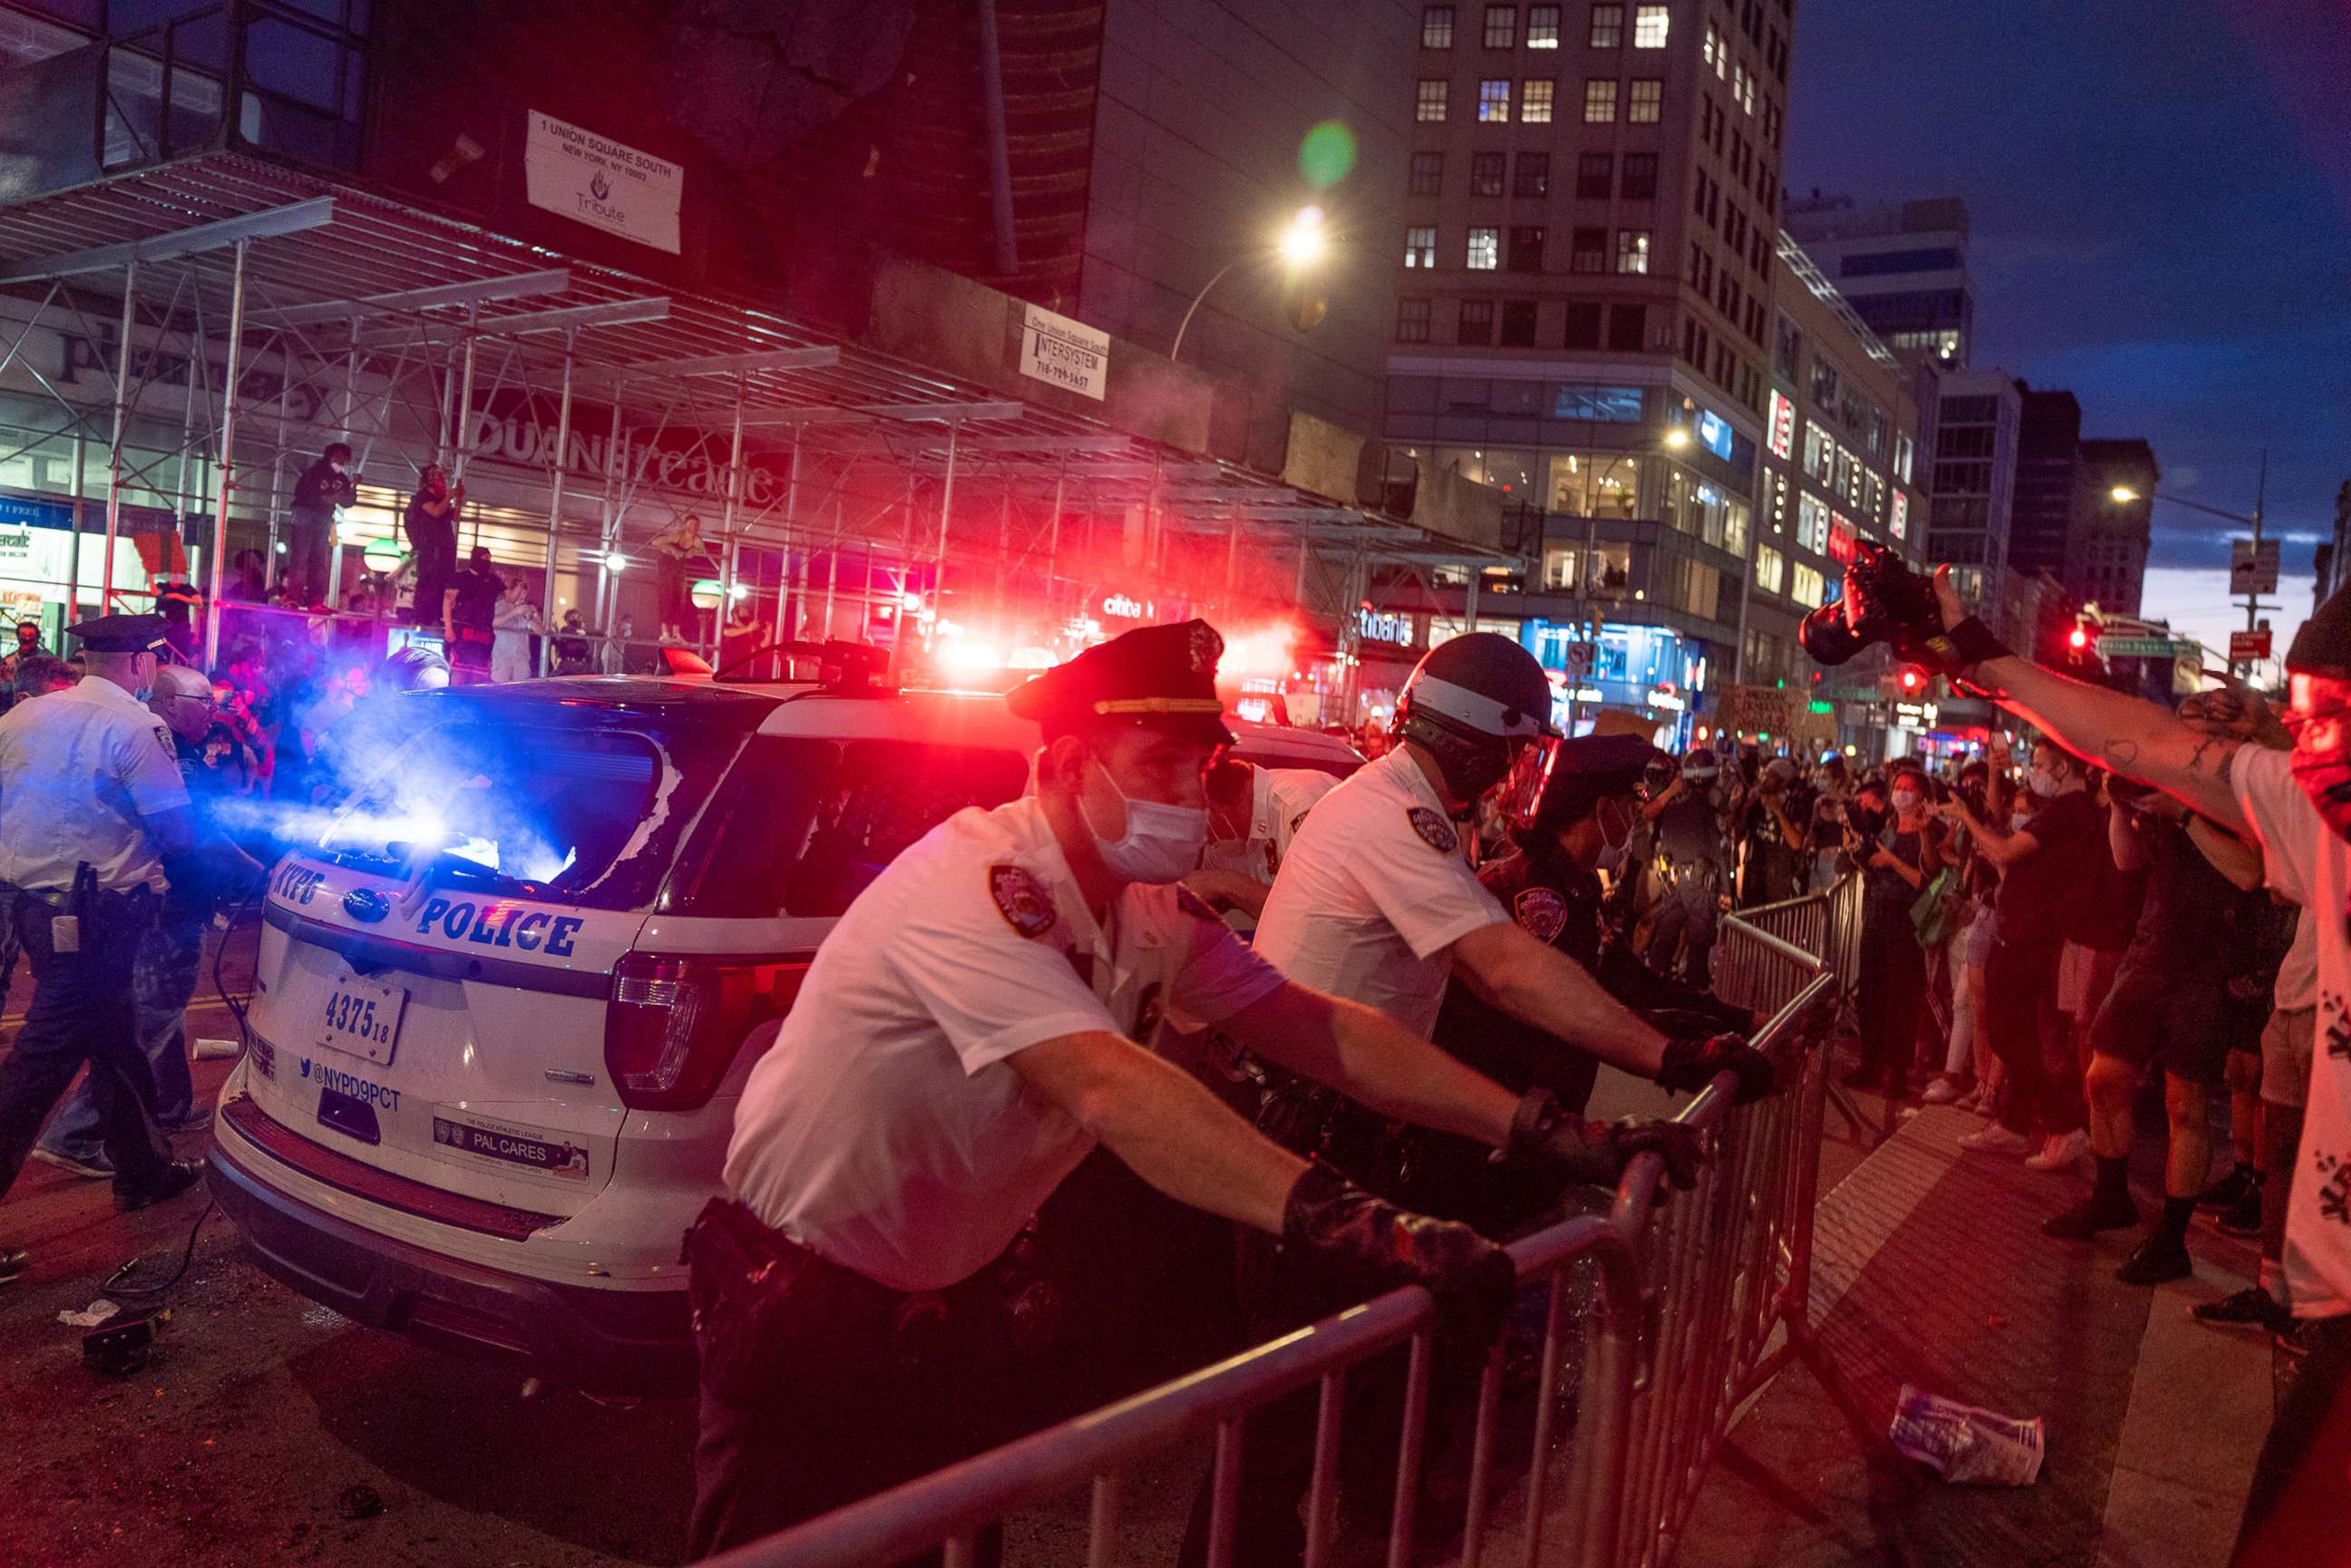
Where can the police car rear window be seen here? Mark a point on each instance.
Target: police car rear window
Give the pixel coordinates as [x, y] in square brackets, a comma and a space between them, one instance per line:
[579, 815]
[803, 826]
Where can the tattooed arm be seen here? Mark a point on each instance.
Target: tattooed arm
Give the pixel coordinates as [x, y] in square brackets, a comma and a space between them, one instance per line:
[2137, 739]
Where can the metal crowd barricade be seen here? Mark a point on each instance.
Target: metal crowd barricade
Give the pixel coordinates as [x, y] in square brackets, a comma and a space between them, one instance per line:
[1700, 1300]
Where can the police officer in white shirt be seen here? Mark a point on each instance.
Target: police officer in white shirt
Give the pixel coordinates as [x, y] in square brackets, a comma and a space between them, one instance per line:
[1254, 812]
[2297, 805]
[91, 803]
[976, 1023]
[1377, 903]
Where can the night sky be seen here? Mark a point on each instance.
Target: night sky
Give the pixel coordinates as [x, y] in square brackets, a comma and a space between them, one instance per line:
[2159, 197]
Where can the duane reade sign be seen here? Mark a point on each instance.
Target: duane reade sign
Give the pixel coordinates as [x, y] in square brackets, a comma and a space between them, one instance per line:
[1065, 353]
[602, 184]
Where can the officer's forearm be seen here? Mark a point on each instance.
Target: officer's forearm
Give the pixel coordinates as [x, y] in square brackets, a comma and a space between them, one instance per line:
[1541, 986]
[1371, 1057]
[1165, 1125]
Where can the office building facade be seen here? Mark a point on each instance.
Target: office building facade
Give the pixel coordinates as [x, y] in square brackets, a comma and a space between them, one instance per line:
[2105, 555]
[1583, 316]
[1904, 265]
[1972, 484]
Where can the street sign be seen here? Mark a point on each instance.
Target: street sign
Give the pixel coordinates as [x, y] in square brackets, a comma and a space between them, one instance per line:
[2245, 647]
[1581, 657]
[2254, 569]
[1762, 710]
[2147, 647]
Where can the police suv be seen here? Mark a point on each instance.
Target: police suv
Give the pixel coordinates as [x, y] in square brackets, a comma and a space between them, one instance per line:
[507, 1000]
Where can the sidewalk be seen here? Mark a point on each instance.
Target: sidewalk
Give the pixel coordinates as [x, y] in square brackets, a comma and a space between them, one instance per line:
[1931, 1269]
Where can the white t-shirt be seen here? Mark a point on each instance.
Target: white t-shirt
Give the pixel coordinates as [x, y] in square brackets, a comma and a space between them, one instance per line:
[1279, 799]
[2306, 862]
[884, 1130]
[1373, 893]
[79, 768]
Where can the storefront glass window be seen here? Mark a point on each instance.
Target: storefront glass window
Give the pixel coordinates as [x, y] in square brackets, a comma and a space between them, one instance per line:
[1596, 484]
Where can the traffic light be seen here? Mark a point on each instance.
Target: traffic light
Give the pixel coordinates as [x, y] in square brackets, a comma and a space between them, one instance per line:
[1910, 683]
[2079, 638]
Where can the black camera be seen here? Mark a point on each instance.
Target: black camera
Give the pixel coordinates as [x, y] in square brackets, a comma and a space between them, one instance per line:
[1883, 598]
[1866, 820]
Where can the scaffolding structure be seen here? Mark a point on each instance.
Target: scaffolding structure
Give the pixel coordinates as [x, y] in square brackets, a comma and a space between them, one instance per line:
[218, 321]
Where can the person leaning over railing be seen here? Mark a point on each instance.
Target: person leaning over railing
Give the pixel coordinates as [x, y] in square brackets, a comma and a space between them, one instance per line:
[2297, 805]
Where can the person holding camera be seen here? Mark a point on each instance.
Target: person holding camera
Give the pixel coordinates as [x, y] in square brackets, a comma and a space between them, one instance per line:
[1897, 847]
[1772, 846]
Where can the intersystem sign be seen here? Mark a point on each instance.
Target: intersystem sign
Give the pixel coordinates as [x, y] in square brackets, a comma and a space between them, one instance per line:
[602, 184]
[1064, 354]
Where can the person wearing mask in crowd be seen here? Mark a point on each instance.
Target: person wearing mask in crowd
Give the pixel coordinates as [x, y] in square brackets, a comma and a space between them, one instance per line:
[1772, 845]
[676, 551]
[431, 525]
[1832, 788]
[163, 975]
[469, 609]
[1254, 812]
[980, 1020]
[2098, 923]
[2045, 859]
[1897, 847]
[514, 622]
[620, 655]
[574, 653]
[90, 805]
[29, 646]
[1968, 1063]
[1694, 861]
[320, 491]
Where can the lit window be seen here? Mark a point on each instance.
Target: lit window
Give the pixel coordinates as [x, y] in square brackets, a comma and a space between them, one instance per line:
[1501, 27]
[1645, 102]
[1493, 102]
[1900, 524]
[1534, 102]
[1718, 53]
[1428, 105]
[1810, 590]
[1543, 26]
[1436, 27]
[1599, 103]
[1649, 24]
[1813, 524]
[1771, 570]
[1420, 247]
[1632, 250]
[1411, 320]
[1607, 26]
[1743, 87]
[1485, 250]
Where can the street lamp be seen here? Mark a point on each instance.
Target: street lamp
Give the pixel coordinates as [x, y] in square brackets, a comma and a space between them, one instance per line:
[1300, 247]
[2124, 495]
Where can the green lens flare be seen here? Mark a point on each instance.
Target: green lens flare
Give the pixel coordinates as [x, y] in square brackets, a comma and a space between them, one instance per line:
[1327, 155]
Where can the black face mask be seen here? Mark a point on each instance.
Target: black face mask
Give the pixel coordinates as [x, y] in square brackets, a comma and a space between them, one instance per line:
[1867, 821]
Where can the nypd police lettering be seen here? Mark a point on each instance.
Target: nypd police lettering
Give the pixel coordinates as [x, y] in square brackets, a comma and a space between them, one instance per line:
[499, 926]
[335, 1080]
[295, 884]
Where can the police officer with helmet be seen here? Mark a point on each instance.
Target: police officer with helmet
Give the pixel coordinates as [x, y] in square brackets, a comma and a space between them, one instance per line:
[1694, 859]
[976, 1022]
[91, 805]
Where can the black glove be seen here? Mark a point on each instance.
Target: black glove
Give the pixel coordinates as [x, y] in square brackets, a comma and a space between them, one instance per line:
[1367, 1246]
[1690, 1065]
[1951, 654]
[1596, 1153]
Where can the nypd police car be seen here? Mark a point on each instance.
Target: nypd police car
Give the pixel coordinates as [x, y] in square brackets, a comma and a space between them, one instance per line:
[507, 995]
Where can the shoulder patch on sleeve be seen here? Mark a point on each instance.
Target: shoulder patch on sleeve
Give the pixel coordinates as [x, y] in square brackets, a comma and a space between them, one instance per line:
[1024, 901]
[1540, 911]
[1191, 903]
[1434, 831]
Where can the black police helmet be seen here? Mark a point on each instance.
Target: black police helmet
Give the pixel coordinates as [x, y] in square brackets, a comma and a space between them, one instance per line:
[1472, 702]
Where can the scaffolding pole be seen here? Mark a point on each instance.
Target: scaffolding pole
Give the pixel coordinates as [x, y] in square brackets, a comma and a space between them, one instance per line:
[114, 444]
[555, 502]
[73, 556]
[227, 458]
[730, 557]
[608, 596]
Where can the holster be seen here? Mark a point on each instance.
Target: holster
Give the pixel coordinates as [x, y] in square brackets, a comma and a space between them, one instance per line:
[751, 1294]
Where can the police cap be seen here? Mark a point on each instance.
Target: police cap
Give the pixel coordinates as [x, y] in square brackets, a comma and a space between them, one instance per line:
[1591, 768]
[121, 634]
[1164, 676]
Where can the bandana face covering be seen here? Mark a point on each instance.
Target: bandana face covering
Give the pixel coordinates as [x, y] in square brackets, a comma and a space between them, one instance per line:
[2322, 748]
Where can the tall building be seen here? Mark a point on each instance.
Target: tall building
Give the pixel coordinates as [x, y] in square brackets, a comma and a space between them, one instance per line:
[1583, 314]
[1973, 485]
[2051, 486]
[1904, 265]
[1841, 469]
[2105, 555]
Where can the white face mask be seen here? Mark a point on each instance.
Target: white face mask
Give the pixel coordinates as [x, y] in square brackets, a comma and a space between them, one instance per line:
[1162, 842]
[1905, 801]
[2041, 782]
[2017, 820]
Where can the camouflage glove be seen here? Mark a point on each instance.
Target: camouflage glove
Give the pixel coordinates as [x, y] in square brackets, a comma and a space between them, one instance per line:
[1596, 1153]
[1690, 1065]
[1368, 1246]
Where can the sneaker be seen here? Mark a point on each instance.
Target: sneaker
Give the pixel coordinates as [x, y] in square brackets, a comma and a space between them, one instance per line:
[2095, 1213]
[2250, 1308]
[2160, 1259]
[1942, 1091]
[172, 1180]
[95, 1167]
[2243, 1217]
[13, 1261]
[2229, 1191]
[195, 1121]
[2061, 1152]
[1996, 1140]
[1971, 1102]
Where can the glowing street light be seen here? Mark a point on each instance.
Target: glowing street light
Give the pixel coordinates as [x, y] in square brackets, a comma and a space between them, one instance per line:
[2123, 495]
[1303, 242]
[1678, 436]
[1300, 246]
[615, 562]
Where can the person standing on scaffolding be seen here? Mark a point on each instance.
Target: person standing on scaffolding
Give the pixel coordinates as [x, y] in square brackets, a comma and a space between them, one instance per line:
[678, 551]
[431, 525]
[320, 491]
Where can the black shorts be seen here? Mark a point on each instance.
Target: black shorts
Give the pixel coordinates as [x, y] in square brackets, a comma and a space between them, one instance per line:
[2153, 1016]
